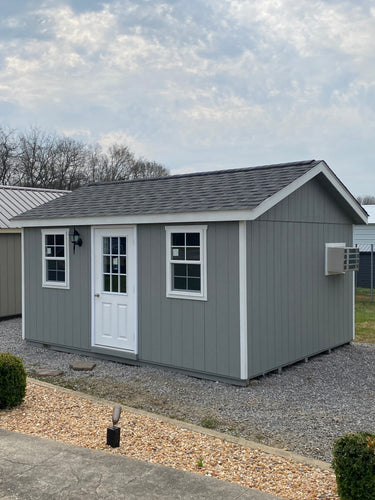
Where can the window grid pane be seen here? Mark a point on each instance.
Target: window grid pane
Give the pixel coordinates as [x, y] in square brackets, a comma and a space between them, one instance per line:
[114, 264]
[54, 255]
[186, 277]
[186, 247]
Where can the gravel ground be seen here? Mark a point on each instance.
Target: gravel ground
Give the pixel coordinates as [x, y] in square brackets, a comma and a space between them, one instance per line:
[303, 409]
[58, 414]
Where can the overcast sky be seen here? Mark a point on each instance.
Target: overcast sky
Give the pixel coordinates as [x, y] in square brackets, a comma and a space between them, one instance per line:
[198, 84]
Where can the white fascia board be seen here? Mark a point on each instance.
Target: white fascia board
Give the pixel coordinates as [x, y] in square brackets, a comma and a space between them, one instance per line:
[183, 218]
[344, 193]
[320, 168]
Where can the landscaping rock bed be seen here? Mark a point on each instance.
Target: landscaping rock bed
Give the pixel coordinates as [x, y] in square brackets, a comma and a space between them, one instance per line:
[303, 409]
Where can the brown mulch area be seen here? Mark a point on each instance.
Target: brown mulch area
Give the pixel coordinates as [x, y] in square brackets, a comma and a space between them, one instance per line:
[51, 413]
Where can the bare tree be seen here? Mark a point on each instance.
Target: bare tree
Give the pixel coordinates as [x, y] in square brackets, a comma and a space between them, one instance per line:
[8, 155]
[37, 155]
[366, 199]
[144, 169]
[118, 163]
[68, 169]
[38, 159]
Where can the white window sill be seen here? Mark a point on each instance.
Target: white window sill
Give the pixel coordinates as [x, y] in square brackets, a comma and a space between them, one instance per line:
[186, 295]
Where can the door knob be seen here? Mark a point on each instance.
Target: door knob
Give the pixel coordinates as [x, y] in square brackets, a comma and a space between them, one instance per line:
[97, 295]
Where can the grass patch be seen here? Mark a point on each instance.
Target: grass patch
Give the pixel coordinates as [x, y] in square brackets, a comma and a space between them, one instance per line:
[209, 422]
[364, 316]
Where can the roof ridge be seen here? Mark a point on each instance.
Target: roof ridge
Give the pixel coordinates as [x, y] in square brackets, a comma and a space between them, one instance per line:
[209, 172]
[27, 188]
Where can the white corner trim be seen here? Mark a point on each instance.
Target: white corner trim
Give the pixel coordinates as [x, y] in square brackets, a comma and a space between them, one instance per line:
[23, 283]
[244, 375]
[353, 278]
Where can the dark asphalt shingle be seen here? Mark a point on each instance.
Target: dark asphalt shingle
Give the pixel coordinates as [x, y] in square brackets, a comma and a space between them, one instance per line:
[207, 191]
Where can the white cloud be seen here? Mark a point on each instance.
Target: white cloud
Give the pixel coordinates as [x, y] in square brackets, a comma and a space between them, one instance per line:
[309, 26]
[88, 30]
[120, 137]
[169, 79]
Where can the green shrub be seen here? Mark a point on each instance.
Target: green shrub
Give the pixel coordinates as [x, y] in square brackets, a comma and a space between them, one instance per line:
[354, 466]
[12, 380]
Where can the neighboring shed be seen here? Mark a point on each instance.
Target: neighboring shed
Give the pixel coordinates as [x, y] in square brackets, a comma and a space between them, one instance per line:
[13, 201]
[364, 238]
[225, 275]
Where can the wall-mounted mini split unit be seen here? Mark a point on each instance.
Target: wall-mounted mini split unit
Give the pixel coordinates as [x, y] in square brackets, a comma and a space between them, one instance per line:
[340, 258]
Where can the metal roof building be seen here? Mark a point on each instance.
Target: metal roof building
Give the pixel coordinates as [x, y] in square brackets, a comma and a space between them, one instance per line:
[15, 200]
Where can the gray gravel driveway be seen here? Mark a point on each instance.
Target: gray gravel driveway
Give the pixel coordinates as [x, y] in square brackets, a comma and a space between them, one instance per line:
[303, 409]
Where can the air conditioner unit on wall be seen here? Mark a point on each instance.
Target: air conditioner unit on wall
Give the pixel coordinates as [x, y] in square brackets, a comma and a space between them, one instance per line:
[340, 259]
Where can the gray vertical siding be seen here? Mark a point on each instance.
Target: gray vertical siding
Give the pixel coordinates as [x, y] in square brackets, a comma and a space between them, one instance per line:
[294, 310]
[194, 335]
[10, 274]
[52, 316]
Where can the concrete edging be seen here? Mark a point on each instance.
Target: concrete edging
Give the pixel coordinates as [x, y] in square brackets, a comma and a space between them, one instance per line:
[193, 427]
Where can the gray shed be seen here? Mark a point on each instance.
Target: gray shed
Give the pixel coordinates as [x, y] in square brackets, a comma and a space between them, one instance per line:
[225, 275]
[13, 201]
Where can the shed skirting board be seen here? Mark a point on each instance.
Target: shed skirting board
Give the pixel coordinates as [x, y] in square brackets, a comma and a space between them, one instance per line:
[134, 361]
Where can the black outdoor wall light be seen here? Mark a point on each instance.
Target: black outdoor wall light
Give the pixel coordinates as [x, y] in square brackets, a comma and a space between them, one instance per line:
[75, 238]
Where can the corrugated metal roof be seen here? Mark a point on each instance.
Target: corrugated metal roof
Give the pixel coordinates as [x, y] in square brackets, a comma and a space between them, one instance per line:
[220, 190]
[366, 247]
[15, 200]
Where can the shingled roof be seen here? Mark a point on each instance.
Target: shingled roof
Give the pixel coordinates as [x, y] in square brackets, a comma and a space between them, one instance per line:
[15, 200]
[220, 190]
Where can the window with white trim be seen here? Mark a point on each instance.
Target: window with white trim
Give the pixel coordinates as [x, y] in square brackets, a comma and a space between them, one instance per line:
[55, 258]
[186, 262]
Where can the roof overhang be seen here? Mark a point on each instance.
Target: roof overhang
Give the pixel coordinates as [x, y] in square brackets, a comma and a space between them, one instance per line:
[206, 216]
[320, 168]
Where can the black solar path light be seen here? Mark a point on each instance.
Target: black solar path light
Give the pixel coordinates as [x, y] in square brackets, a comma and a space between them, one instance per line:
[113, 432]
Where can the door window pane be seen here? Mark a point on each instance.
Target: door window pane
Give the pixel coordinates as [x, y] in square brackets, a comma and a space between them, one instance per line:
[114, 283]
[122, 265]
[106, 249]
[107, 283]
[114, 264]
[106, 264]
[122, 246]
[114, 246]
[122, 284]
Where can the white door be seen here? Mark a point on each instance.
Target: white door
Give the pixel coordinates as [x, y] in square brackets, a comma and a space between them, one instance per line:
[114, 288]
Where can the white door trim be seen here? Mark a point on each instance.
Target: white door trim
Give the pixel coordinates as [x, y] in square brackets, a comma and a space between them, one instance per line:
[135, 290]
